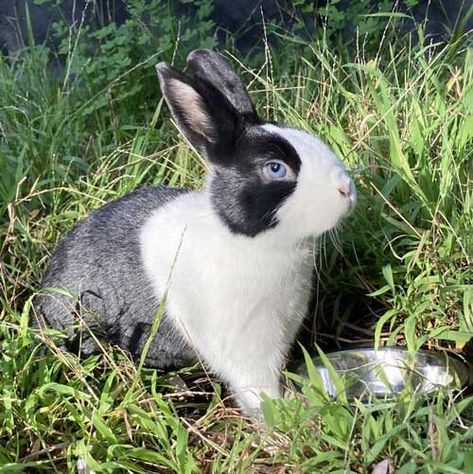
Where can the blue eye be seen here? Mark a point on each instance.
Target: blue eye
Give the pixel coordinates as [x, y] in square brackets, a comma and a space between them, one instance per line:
[275, 170]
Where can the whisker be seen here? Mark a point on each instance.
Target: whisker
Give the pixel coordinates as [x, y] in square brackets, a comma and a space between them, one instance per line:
[334, 237]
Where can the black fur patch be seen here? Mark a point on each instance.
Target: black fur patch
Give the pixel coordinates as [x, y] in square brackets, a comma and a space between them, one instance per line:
[99, 262]
[243, 199]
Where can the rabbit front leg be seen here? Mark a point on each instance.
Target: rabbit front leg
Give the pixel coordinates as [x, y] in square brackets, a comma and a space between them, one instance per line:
[249, 398]
[249, 385]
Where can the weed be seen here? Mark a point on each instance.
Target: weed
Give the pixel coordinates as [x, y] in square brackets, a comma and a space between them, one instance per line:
[398, 272]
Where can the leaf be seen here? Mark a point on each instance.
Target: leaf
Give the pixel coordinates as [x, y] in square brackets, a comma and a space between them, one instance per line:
[468, 467]
[103, 429]
[390, 314]
[63, 390]
[460, 337]
[381, 291]
[410, 333]
[334, 376]
[388, 275]
[321, 394]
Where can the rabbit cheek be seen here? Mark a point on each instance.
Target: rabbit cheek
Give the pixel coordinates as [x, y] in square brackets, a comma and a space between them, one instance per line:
[251, 207]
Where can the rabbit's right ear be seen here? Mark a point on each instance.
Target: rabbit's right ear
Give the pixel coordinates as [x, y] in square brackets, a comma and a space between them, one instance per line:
[214, 68]
[205, 117]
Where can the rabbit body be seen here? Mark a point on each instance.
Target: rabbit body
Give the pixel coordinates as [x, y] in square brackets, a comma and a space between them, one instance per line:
[238, 300]
[231, 264]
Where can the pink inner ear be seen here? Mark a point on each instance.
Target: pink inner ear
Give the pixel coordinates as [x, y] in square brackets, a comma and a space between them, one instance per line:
[190, 104]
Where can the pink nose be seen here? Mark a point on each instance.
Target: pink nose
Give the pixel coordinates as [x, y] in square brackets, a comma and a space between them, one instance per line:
[343, 183]
[345, 189]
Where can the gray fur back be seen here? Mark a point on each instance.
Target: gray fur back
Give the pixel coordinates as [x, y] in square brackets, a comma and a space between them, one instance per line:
[99, 262]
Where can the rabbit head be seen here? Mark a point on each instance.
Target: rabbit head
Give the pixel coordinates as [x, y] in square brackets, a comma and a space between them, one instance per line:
[265, 179]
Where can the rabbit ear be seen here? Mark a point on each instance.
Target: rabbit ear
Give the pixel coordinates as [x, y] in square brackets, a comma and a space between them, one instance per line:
[203, 114]
[213, 68]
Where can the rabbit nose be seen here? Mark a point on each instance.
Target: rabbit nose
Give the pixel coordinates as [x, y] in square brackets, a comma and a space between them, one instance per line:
[345, 189]
[344, 184]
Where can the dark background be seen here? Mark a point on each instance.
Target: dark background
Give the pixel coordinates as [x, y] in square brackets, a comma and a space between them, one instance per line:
[240, 18]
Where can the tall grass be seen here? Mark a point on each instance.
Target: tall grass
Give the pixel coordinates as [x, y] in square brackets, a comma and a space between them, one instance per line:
[398, 272]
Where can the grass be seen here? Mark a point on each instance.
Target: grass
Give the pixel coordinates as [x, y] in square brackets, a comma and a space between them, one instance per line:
[397, 273]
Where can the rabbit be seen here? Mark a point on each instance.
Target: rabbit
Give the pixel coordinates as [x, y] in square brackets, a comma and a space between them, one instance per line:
[232, 264]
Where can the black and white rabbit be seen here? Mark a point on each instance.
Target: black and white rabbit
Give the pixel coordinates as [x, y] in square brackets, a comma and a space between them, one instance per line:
[234, 260]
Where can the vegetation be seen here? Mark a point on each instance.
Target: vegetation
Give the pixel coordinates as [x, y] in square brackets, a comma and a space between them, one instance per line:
[399, 113]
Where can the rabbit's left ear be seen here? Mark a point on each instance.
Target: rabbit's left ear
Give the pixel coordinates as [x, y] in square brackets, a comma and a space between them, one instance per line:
[205, 117]
[215, 69]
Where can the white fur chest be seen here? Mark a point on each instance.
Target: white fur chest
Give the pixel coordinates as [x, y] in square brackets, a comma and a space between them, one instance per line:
[239, 300]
